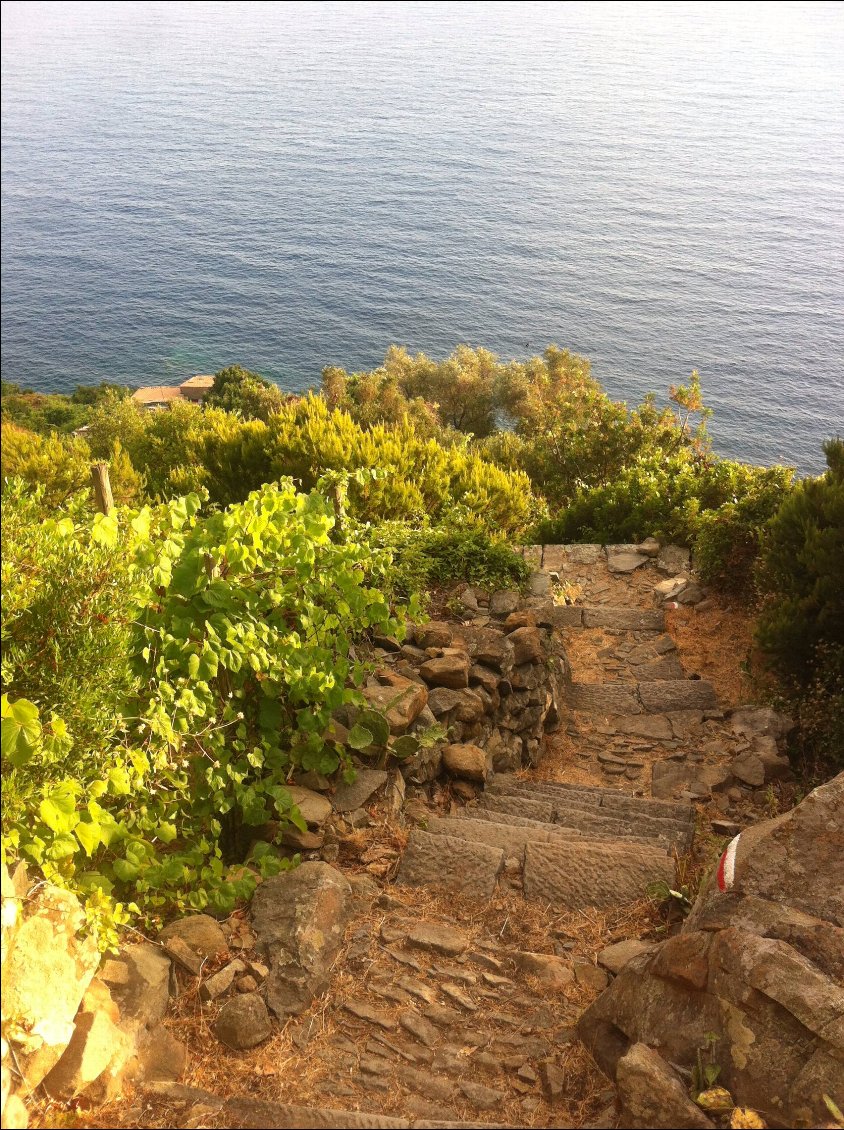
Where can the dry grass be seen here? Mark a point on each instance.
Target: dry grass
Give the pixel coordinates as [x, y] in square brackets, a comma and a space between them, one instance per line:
[717, 645]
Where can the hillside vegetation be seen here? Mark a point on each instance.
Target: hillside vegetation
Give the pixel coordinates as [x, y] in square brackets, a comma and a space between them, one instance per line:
[168, 666]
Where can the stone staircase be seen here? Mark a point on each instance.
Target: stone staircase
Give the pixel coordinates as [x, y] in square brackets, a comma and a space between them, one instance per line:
[566, 846]
[571, 845]
[444, 1011]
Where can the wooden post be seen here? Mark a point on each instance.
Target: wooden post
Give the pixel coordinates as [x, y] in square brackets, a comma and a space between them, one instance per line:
[102, 487]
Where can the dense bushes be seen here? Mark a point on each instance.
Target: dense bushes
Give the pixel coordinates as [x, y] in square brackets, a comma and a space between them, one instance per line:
[165, 673]
[188, 448]
[801, 626]
[426, 557]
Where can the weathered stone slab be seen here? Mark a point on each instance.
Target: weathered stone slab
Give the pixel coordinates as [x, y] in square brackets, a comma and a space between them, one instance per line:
[604, 698]
[661, 696]
[550, 615]
[450, 864]
[504, 836]
[654, 726]
[668, 667]
[653, 1095]
[625, 562]
[606, 799]
[543, 810]
[625, 619]
[533, 555]
[579, 875]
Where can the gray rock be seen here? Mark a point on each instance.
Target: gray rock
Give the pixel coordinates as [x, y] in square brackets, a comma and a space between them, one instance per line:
[367, 782]
[673, 559]
[299, 918]
[760, 721]
[503, 602]
[314, 807]
[539, 584]
[652, 1095]
[625, 562]
[577, 875]
[221, 981]
[143, 1000]
[243, 1022]
[451, 864]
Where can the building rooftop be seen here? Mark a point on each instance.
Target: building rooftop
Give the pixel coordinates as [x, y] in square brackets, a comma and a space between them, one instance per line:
[157, 394]
[199, 381]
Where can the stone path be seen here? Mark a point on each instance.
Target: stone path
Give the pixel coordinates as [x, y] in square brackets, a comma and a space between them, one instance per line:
[455, 998]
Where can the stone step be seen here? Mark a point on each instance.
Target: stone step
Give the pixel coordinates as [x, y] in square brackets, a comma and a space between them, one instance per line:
[577, 875]
[258, 1114]
[657, 696]
[624, 619]
[512, 838]
[451, 863]
[591, 821]
[571, 811]
[594, 795]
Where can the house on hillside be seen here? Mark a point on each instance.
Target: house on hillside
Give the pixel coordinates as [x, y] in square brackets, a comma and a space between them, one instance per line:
[194, 390]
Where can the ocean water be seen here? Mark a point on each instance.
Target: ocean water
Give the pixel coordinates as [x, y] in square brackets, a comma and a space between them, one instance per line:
[287, 186]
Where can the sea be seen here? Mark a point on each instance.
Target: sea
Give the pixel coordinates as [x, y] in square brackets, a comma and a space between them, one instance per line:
[659, 187]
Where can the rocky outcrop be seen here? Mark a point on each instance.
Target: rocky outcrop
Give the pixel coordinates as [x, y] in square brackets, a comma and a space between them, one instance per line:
[758, 964]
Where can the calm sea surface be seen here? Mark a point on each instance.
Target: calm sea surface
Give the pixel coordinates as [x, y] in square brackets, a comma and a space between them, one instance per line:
[659, 187]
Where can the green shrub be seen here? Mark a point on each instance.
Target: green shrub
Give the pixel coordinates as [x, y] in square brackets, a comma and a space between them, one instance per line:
[199, 662]
[801, 627]
[440, 556]
[71, 595]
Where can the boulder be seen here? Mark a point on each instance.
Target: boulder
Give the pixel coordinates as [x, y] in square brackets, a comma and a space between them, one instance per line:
[46, 975]
[467, 761]
[314, 807]
[649, 547]
[758, 964]
[447, 670]
[614, 958]
[160, 1057]
[760, 721]
[436, 633]
[673, 559]
[351, 795]
[527, 645]
[201, 933]
[652, 1095]
[400, 699]
[300, 918]
[243, 1022]
[145, 995]
[503, 602]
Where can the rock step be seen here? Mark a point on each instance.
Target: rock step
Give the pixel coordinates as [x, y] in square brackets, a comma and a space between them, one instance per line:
[657, 696]
[257, 1114]
[453, 863]
[589, 820]
[624, 619]
[599, 797]
[578, 874]
[512, 839]
[568, 809]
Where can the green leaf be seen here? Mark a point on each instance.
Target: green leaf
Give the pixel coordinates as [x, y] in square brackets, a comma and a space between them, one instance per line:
[88, 836]
[359, 737]
[405, 746]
